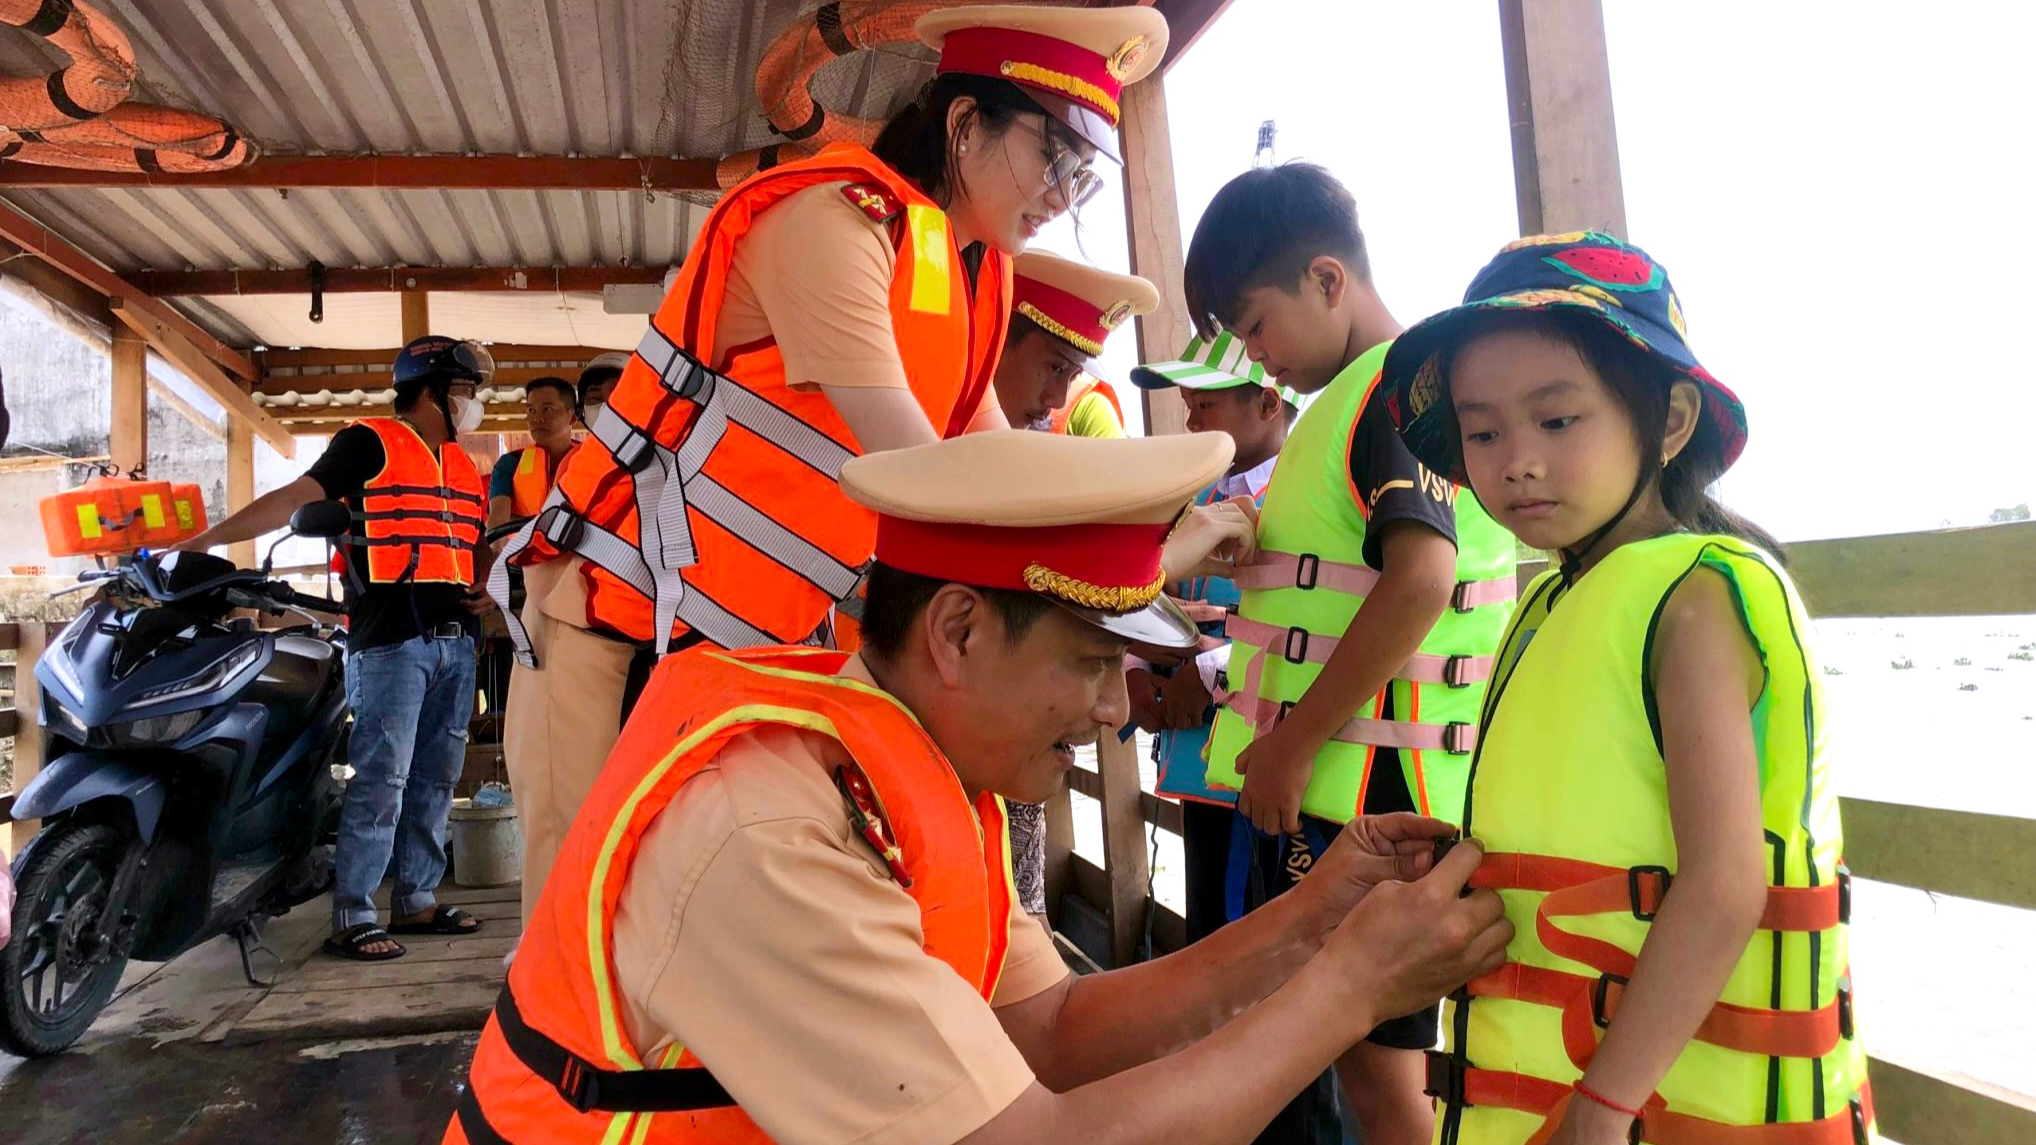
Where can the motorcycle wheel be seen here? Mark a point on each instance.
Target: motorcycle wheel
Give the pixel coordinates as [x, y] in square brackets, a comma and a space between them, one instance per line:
[51, 990]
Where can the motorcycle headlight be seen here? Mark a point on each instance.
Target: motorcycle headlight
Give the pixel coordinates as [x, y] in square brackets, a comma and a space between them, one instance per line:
[222, 670]
[63, 720]
[154, 731]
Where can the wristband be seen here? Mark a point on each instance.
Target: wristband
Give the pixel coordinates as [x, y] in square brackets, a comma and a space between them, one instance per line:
[1593, 1095]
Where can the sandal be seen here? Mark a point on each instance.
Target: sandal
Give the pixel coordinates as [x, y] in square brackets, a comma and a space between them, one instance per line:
[348, 943]
[444, 920]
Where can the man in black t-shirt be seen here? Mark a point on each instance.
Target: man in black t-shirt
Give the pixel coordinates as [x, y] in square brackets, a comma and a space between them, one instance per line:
[413, 561]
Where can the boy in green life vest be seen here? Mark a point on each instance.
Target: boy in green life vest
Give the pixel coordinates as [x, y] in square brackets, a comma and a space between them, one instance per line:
[1368, 620]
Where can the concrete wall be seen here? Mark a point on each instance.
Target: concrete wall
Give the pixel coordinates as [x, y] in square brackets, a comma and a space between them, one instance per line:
[59, 393]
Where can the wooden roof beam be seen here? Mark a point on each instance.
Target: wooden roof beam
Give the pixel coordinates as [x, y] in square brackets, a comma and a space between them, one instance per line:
[1186, 20]
[404, 172]
[179, 351]
[361, 280]
[312, 357]
[34, 238]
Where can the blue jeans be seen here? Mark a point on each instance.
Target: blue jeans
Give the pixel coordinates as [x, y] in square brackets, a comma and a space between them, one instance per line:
[411, 705]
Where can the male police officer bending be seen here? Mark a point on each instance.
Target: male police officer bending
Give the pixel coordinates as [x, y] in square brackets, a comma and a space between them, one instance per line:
[786, 909]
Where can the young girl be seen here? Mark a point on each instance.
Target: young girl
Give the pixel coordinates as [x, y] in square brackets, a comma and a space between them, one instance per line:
[1650, 785]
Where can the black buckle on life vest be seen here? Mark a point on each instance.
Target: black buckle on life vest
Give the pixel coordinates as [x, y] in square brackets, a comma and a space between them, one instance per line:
[1456, 672]
[692, 375]
[1307, 567]
[637, 451]
[1459, 597]
[1859, 1130]
[1280, 716]
[1458, 738]
[1297, 645]
[1445, 1078]
[1844, 894]
[562, 527]
[1633, 890]
[1601, 996]
[1845, 1006]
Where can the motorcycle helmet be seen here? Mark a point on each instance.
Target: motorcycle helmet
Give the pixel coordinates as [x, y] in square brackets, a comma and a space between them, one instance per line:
[434, 362]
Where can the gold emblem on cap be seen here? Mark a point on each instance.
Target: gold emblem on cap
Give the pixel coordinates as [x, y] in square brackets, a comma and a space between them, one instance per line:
[1125, 58]
[1115, 316]
[1103, 598]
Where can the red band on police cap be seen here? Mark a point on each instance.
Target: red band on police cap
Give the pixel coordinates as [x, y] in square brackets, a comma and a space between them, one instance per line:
[1111, 567]
[1069, 317]
[1037, 61]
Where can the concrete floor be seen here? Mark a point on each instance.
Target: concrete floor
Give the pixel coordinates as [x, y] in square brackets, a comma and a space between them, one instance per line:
[336, 1052]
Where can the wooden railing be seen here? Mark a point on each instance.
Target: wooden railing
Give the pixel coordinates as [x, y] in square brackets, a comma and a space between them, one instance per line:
[26, 639]
[1954, 572]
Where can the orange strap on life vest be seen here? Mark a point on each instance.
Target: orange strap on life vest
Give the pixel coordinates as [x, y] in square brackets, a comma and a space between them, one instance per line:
[1575, 888]
[1497, 1089]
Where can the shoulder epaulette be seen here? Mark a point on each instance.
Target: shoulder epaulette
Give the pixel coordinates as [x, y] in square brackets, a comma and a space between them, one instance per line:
[873, 201]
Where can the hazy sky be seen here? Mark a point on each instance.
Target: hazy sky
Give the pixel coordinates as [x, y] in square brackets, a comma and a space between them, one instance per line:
[1839, 192]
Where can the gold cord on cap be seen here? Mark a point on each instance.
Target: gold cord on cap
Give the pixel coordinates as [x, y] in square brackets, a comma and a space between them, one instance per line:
[1073, 86]
[1090, 345]
[1117, 598]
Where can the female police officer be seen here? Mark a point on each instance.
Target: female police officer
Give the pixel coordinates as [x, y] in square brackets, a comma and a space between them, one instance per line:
[851, 302]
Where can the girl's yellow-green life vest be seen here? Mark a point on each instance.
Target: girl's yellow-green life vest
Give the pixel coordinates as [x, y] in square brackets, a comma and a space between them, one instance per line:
[1312, 515]
[1569, 777]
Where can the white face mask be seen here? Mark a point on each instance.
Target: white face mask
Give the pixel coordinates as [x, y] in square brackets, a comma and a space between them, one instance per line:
[466, 414]
[592, 414]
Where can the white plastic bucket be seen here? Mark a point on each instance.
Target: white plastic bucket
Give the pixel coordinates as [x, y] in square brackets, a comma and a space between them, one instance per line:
[487, 845]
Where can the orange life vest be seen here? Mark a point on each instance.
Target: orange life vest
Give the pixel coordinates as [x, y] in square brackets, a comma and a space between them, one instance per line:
[710, 502]
[421, 516]
[555, 1064]
[1083, 387]
[531, 481]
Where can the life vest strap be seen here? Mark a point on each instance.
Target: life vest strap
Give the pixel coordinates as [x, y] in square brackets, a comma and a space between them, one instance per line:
[1272, 569]
[1456, 738]
[668, 482]
[1297, 645]
[1460, 1085]
[1593, 888]
[586, 1087]
[1590, 1003]
[1574, 888]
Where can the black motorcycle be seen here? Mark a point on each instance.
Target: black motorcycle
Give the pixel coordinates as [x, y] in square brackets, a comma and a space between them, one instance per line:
[191, 789]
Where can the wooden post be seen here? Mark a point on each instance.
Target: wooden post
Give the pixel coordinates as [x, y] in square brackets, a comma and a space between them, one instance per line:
[416, 315]
[1153, 221]
[1060, 848]
[1559, 100]
[240, 488]
[28, 745]
[128, 439]
[1124, 846]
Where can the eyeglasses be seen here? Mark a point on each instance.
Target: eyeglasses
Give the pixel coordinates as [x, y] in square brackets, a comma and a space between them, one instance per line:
[1068, 171]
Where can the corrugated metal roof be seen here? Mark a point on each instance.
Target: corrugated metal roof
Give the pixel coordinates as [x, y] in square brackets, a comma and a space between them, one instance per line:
[597, 77]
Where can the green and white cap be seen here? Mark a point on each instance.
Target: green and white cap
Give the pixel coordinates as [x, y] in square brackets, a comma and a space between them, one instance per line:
[1217, 363]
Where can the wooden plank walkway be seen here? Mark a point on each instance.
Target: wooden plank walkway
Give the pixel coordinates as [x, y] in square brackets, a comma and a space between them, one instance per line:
[443, 984]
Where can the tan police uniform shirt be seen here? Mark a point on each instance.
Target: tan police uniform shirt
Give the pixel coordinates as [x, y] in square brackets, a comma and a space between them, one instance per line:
[758, 930]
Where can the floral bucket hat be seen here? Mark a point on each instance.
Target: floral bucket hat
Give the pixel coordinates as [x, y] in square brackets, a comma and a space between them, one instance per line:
[1583, 270]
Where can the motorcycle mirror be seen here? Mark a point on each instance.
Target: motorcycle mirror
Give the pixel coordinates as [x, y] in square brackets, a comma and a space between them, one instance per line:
[326, 519]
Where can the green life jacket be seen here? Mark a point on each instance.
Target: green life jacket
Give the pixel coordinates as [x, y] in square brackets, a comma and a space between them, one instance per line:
[1306, 585]
[1568, 796]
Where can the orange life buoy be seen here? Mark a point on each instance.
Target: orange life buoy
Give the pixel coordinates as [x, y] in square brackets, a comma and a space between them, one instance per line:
[79, 116]
[784, 79]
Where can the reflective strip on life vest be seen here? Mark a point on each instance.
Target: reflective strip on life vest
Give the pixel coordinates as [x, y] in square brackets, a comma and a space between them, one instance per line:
[667, 481]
